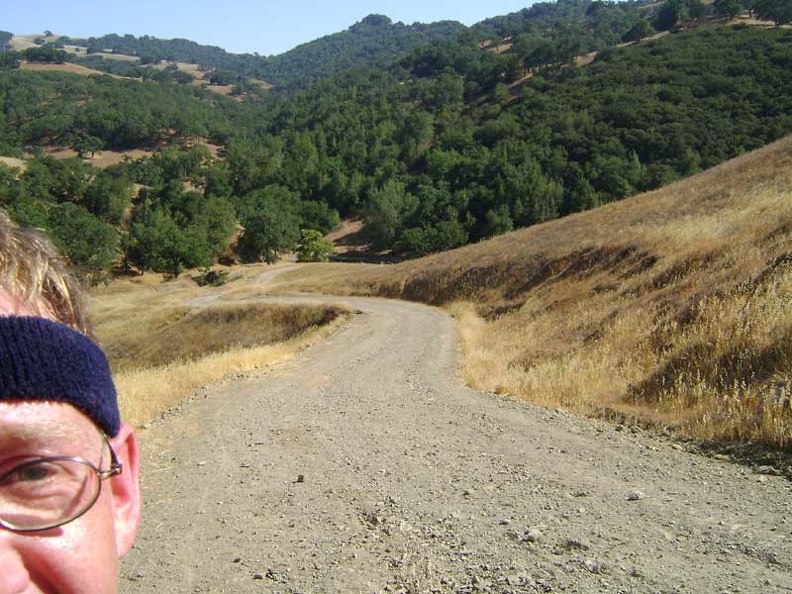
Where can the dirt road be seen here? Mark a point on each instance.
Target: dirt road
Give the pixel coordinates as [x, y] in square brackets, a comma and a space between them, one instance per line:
[364, 466]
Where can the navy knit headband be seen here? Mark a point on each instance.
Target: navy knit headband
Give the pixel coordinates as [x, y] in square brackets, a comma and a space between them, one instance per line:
[43, 360]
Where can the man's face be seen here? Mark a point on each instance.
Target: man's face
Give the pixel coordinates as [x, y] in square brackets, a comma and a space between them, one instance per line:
[80, 557]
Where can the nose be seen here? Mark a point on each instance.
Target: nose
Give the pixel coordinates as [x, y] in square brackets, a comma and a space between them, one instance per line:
[14, 576]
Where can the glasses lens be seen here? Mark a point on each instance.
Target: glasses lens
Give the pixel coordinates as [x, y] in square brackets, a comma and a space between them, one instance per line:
[46, 493]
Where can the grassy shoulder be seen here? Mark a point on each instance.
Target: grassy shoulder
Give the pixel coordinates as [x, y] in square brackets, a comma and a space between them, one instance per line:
[164, 343]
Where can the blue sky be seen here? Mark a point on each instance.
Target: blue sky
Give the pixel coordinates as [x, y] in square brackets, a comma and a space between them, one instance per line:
[265, 26]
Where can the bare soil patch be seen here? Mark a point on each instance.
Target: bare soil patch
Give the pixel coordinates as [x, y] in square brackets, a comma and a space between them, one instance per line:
[119, 57]
[586, 59]
[13, 162]
[101, 159]
[351, 244]
[348, 237]
[108, 158]
[193, 69]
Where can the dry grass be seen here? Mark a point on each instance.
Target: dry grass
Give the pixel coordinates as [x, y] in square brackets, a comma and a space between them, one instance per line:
[66, 67]
[672, 308]
[180, 334]
[14, 162]
[163, 346]
[193, 70]
[23, 42]
[146, 393]
[101, 159]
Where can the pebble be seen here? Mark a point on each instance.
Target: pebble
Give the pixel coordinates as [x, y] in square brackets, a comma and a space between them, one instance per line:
[770, 470]
[635, 495]
[594, 566]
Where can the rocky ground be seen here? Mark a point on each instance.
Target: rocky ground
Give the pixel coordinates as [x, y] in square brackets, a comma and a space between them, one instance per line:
[365, 466]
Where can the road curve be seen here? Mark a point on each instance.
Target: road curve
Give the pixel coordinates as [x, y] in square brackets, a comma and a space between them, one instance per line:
[363, 465]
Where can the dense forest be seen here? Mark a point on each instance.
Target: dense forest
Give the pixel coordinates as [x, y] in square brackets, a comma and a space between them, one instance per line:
[374, 42]
[452, 135]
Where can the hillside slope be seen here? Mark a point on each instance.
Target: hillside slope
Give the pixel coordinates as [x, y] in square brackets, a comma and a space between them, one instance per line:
[672, 307]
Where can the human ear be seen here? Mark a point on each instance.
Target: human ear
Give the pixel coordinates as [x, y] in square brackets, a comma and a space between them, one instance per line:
[126, 489]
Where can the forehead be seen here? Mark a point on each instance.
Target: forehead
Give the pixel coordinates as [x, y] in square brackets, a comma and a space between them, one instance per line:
[10, 305]
[43, 422]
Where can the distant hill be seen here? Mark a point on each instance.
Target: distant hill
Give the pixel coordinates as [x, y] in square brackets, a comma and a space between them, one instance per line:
[375, 42]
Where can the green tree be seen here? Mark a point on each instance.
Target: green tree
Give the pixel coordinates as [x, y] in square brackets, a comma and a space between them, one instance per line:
[672, 12]
[85, 143]
[58, 180]
[223, 77]
[300, 169]
[778, 11]
[49, 55]
[641, 29]
[387, 209]
[319, 216]
[213, 225]
[415, 134]
[253, 164]
[696, 9]
[438, 237]
[271, 220]
[108, 197]
[728, 8]
[217, 180]
[158, 244]
[313, 247]
[543, 54]
[90, 244]
[9, 60]
[498, 221]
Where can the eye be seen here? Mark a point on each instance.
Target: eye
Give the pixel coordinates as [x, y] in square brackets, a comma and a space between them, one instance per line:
[33, 472]
[37, 474]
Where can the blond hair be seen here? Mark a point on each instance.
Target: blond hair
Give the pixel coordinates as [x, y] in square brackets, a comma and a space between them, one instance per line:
[33, 272]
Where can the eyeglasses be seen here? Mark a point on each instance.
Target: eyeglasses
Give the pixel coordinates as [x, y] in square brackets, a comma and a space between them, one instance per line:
[49, 492]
